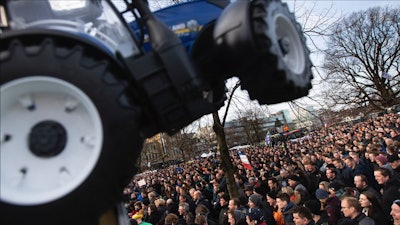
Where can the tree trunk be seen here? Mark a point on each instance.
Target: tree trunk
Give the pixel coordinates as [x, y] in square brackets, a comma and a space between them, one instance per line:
[225, 158]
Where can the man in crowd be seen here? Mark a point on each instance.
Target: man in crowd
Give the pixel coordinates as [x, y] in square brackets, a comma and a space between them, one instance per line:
[351, 210]
[361, 184]
[395, 212]
[286, 206]
[394, 162]
[302, 216]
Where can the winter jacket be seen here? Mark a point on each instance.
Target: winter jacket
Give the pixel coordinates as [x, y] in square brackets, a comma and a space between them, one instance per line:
[287, 213]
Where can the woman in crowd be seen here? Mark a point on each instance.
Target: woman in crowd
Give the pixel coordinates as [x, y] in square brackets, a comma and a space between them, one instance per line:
[372, 208]
[153, 215]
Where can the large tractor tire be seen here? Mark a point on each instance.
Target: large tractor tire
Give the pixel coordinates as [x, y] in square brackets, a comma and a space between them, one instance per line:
[285, 73]
[69, 136]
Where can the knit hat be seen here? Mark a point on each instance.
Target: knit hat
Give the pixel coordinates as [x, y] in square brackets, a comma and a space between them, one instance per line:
[255, 215]
[314, 206]
[256, 199]
[381, 159]
[321, 194]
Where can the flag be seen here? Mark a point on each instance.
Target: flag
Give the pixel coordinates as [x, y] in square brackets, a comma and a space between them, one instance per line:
[267, 139]
[244, 160]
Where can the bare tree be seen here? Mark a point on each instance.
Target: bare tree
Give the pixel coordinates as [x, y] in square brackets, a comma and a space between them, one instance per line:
[183, 140]
[363, 59]
[226, 163]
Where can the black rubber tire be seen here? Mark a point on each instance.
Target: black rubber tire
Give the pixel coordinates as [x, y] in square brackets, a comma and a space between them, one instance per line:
[97, 77]
[274, 81]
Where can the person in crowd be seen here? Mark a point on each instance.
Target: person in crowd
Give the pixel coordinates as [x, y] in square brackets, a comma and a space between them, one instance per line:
[171, 219]
[248, 190]
[273, 185]
[271, 199]
[315, 176]
[185, 198]
[200, 199]
[283, 177]
[320, 217]
[138, 207]
[302, 192]
[336, 188]
[203, 210]
[289, 190]
[152, 196]
[343, 172]
[380, 160]
[171, 207]
[186, 217]
[395, 212]
[286, 207]
[201, 220]
[330, 203]
[234, 204]
[390, 188]
[394, 162]
[355, 168]
[143, 197]
[153, 215]
[361, 185]
[351, 210]
[236, 217]
[223, 211]
[324, 185]
[255, 217]
[331, 174]
[138, 217]
[170, 192]
[162, 210]
[302, 216]
[255, 202]
[372, 208]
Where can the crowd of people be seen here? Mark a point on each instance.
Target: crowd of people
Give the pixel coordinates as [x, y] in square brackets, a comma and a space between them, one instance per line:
[347, 174]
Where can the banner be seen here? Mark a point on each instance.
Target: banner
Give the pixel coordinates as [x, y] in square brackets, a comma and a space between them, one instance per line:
[141, 183]
[244, 160]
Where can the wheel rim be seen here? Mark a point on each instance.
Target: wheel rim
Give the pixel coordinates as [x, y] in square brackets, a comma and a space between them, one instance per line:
[51, 139]
[289, 44]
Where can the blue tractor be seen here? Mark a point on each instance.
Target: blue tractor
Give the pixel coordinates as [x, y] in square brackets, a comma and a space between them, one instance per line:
[84, 82]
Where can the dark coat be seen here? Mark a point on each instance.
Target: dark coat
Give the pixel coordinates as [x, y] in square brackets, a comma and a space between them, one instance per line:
[287, 213]
[333, 209]
[390, 191]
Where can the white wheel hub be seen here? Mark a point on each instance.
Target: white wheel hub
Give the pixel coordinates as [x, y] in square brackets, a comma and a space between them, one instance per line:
[50, 138]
